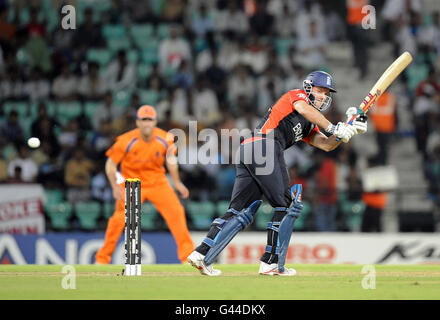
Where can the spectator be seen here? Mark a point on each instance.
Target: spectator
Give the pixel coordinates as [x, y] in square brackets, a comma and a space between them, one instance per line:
[334, 25]
[383, 117]
[375, 202]
[91, 85]
[27, 167]
[406, 37]
[172, 51]
[70, 135]
[37, 48]
[424, 106]
[205, 103]
[393, 11]
[3, 166]
[7, 31]
[202, 21]
[108, 111]
[184, 77]
[432, 173]
[241, 84]
[180, 107]
[357, 35]
[354, 185]
[310, 11]
[284, 24]
[12, 87]
[295, 78]
[65, 86]
[101, 189]
[326, 183]
[120, 74]
[101, 140]
[41, 155]
[172, 11]
[88, 35]
[271, 75]
[43, 128]
[229, 55]
[155, 77]
[38, 88]
[232, 20]
[11, 131]
[262, 22]
[51, 173]
[77, 176]
[255, 55]
[267, 96]
[216, 77]
[247, 116]
[142, 12]
[311, 48]
[35, 28]
[225, 182]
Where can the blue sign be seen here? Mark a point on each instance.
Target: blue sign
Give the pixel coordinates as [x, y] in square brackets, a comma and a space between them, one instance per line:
[80, 248]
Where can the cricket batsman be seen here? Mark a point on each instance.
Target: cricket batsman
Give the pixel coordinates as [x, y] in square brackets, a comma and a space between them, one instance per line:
[295, 116]
[141, 153]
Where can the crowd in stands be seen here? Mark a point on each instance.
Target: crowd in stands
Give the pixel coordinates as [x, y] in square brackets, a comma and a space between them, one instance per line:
[220, 62]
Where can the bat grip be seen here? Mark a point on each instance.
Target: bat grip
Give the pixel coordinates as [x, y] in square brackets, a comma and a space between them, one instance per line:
[349, 122]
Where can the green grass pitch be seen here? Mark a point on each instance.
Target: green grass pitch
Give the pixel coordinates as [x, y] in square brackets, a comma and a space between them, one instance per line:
[182, 282]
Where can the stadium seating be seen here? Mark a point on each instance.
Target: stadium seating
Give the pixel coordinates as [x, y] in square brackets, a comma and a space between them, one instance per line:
[116, 44]
[113, 31]
[222, 207]
[150, 97]
[108, 209]
[201, 213]
[88, 214]
[53, 196]
[59, 215]
[142, 31]
[100, 56]
[122, 97]
[353, 212]
[22, 108]
[263, 216]
[163, 30]
[90, 108]
[143, 71]
[265, 212]
[148, 217]
[68, 111]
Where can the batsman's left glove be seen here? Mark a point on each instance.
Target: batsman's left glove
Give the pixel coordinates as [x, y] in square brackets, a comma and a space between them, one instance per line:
[360, 122]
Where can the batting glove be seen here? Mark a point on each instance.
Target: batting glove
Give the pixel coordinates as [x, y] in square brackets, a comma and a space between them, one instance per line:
[343, 131]
[360, 122]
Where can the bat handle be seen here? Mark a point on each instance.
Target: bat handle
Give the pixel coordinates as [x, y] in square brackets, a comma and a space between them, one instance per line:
[349, 122]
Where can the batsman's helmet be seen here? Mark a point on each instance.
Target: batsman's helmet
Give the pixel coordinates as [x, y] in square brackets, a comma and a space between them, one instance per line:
[319, 79]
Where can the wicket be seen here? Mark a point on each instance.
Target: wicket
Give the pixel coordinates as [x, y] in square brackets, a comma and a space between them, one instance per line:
[133, 227]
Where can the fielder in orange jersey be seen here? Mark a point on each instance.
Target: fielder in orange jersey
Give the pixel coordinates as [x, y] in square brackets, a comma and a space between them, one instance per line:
[141, 153]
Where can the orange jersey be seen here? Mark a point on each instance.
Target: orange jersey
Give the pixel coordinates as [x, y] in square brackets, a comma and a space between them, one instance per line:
[140, 159]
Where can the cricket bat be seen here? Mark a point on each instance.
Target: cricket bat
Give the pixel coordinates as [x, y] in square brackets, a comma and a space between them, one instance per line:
[383, 83]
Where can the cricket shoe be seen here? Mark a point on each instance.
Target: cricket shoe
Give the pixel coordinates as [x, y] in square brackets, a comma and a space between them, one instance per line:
[272, 270]
[196, 260]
